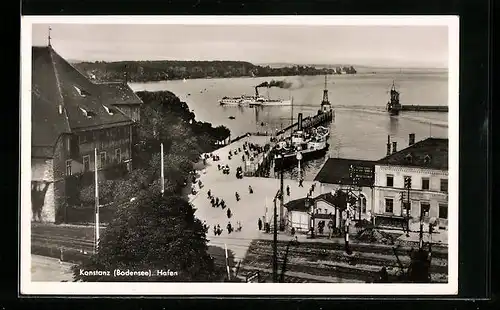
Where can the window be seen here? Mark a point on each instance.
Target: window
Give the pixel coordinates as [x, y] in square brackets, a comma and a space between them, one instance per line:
[389, 205]
[424, 209]
[82, 137]
[427, 159]
[390, 180]
[68, 167]
[409, 158]
[86, 163]
[102, 159]
[443, 211]
[118, 155]
[444, 185]
[425, 183]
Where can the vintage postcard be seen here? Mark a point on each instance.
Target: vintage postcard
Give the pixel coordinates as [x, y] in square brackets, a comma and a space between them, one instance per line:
[290, 155]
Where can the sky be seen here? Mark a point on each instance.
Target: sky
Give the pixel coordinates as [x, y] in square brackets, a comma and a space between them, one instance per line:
[386, 46]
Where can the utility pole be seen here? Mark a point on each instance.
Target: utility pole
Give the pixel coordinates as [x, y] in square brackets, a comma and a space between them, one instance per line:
[282, 197]
[162, 172]
[408, 186]
[96, 180]
[275, 243]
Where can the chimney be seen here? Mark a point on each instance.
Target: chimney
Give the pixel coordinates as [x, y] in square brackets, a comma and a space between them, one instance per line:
[60, 109]
[394, 147]
[411, 139]
[388, 145]
[299, 122]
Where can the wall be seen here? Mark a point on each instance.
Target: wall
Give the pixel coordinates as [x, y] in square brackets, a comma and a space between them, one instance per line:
[433, 196]
[132, 111]
[53, 171]
[41, 171]
[108, 144]
[298, 220]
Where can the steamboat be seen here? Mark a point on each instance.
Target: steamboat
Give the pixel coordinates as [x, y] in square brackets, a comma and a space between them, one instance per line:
[253, 101]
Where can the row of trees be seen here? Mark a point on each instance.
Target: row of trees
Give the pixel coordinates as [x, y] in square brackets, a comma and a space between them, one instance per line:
[157, 232]
[144, 71]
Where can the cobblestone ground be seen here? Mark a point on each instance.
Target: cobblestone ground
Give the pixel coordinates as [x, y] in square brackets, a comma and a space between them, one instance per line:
[50, 269]
[248, 209]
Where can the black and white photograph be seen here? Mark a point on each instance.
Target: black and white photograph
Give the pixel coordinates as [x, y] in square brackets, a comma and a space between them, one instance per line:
[189, 155]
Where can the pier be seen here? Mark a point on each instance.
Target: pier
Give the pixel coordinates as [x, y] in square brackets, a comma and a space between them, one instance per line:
[424, 108]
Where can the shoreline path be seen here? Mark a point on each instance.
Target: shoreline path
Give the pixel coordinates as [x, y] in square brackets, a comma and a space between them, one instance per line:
[249, 209]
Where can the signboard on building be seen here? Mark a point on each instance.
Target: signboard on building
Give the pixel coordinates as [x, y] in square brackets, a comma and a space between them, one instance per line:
[362, 175]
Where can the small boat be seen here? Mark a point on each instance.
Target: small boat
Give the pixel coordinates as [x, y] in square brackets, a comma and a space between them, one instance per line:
[232, 117]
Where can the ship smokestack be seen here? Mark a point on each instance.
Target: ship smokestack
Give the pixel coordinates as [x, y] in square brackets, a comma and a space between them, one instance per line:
[394, 147]
[299, 122]
[388, 145]
[411, 139]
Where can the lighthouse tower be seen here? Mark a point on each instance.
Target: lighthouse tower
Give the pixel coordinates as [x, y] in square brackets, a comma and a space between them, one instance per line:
[325, 104]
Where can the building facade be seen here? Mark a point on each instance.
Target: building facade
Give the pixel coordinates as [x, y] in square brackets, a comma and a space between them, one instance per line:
[420, 170]
[71, 117]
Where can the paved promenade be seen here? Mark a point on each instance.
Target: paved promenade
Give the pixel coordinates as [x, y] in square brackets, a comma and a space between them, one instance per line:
[50, 269]
[248, 209]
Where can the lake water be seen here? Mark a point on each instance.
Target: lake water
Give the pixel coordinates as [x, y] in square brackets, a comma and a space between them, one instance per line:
[361, 123]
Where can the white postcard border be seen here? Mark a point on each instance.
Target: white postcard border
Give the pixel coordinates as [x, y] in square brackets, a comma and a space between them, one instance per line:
[186, 289]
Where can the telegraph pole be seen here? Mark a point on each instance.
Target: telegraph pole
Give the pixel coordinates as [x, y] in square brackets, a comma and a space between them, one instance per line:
[275, 243]
[96, 180]
[408, 186]
[162, 172]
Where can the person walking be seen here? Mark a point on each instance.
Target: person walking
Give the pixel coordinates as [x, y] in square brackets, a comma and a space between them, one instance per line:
[288, 190]
[209, 194]
[228, 213]
[250, 189]
[229, 228]
[300, 182]
[260, 224]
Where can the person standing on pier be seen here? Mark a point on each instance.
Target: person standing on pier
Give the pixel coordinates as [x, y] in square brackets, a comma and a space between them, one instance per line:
[229, 228]
[250, 189]
[228, 213]
[260, 224]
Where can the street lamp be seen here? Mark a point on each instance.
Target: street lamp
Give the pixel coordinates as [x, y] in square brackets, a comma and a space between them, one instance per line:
[299, 158]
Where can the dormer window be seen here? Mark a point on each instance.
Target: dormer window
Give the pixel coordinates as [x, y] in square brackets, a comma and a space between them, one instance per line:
[82, 92]
[110, 111]
[427, 159]
[87, 113]
[409, 158]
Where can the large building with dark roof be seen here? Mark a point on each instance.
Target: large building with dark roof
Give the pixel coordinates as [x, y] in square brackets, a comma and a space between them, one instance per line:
[351, 175]
[71, 116]
[425, 165]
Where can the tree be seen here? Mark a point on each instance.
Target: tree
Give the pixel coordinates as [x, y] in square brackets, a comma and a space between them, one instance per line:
[153, 233]
[106, 193]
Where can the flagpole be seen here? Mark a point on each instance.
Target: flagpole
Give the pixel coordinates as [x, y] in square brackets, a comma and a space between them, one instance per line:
[96, 179]
[162, 172]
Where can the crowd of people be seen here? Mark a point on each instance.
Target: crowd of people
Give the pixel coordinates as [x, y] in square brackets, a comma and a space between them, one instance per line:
[249, 151]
